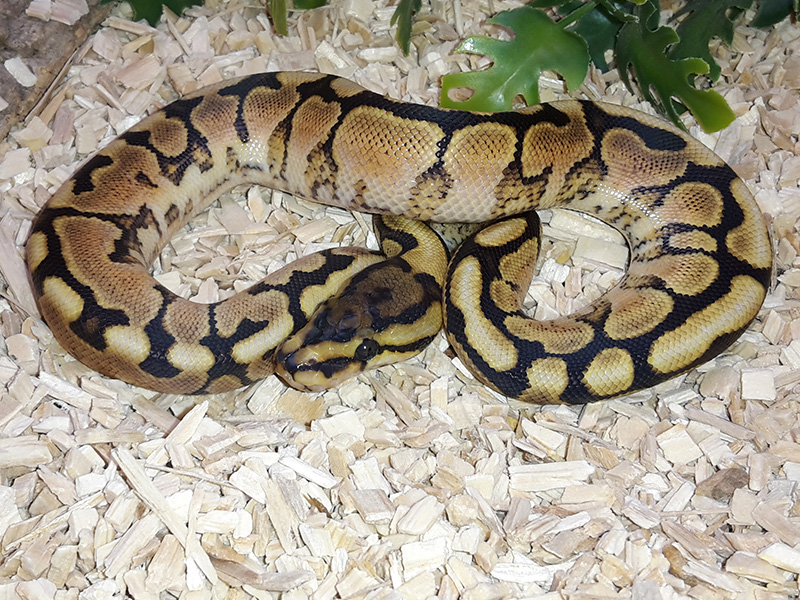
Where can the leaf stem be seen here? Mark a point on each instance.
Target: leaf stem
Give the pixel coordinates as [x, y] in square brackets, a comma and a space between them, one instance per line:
[577, 14]
[617, 12]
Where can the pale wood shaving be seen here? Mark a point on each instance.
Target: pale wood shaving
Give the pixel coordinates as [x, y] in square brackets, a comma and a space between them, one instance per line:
[68, 12]
[20, 71]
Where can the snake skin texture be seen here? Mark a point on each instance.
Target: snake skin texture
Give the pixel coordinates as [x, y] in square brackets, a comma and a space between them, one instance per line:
[700, 265]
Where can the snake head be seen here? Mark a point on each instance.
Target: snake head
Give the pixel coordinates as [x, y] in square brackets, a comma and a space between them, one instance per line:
[385, 314]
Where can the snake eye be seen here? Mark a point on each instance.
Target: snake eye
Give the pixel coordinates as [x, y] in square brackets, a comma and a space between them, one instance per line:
[367, 350]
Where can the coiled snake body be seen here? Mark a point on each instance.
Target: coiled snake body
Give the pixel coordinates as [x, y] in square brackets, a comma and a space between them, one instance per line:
[699, 267]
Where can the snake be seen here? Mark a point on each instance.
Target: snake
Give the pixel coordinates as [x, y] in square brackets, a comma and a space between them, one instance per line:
[699, 267]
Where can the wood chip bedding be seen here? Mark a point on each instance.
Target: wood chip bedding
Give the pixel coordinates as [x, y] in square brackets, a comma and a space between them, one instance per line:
[414, 481]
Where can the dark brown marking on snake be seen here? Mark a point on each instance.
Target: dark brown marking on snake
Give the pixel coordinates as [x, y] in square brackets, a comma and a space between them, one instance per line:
[82, 181]
[142, 178]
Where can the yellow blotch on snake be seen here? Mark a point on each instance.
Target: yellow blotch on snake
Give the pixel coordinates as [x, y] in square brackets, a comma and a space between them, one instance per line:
[634, 314]
[498, 351]
[547, 380]
[67, 301]
[130, 342]
[687, 343]
[190, 357]
[694, 203]
[749, 241]
[253, 347]
[610, 372]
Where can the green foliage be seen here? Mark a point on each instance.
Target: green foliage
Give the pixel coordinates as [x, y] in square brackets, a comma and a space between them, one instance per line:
[598, 22]
[404, 17]
[664, 62]
[150, 10]
[538, 44]
[773, 11]
[277, 10]
[705, 20]
[307, 4]
[599, 28]
[661, 80]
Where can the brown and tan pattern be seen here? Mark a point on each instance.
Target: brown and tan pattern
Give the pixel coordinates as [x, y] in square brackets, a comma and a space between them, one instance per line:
[700, 249]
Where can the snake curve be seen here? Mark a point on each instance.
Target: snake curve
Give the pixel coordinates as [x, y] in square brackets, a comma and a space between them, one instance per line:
[700, 251]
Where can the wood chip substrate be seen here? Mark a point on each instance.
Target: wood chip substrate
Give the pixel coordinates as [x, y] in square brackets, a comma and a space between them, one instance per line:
[414, 481]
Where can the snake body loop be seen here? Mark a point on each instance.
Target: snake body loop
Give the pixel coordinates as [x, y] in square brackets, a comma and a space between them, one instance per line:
[700, 265]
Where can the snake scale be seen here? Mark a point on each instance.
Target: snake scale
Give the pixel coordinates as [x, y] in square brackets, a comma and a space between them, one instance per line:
[700, 251]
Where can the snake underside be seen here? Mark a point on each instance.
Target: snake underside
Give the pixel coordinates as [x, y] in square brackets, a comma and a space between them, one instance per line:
[700, 251]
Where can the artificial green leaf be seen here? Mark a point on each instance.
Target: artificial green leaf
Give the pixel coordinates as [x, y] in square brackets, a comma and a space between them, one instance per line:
[706, 20]
[147, 9]
[404, 17]
[539, 44]
[307, 4]
[770, 12]
[641, 51]
[151, 10]
[552, 3]
[598, 28]
[620, 9]
[277, 11]
[600, 33]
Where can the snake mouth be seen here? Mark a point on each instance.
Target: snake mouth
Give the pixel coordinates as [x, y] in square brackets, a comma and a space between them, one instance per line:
[304, 370]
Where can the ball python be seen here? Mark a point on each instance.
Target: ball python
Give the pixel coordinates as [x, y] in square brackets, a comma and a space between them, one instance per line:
[700, 251]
